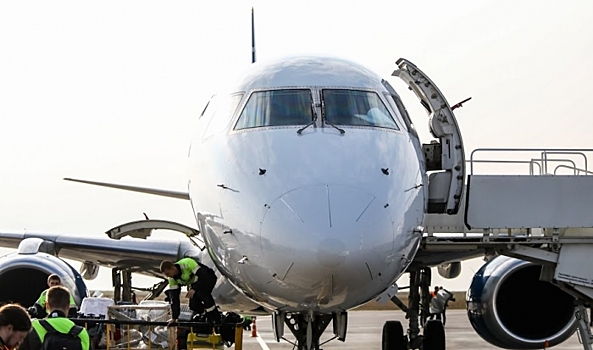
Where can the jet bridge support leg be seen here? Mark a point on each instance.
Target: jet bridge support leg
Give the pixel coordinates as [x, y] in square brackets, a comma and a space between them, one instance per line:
[583, 326]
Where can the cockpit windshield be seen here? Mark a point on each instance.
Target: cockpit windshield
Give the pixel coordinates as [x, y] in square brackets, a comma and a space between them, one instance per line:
[277, 108]
[356, 107]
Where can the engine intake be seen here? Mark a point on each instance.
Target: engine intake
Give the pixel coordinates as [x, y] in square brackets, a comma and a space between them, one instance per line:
[510, 307]
[24, 276]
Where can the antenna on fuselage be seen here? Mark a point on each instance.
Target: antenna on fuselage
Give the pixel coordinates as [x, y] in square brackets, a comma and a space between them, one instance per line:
[252, 36]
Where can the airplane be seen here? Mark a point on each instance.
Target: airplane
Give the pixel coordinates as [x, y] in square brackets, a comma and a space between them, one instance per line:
[310, 189]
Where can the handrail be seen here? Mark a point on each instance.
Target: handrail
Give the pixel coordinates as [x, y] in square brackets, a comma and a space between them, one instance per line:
[545, 155]
[553, 160]
[579, 151]
[534, 161]
[574, 168]
[530, 162]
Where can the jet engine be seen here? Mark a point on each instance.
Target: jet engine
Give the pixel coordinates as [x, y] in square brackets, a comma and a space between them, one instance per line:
[24, 276]
[510, 307]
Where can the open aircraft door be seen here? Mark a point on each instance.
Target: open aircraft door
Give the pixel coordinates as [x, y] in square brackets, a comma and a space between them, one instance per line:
[445, 158]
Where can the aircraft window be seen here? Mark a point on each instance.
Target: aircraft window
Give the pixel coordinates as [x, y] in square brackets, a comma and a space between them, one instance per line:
[223, 109]
[355, 107]
[404, 114]
[275, 108]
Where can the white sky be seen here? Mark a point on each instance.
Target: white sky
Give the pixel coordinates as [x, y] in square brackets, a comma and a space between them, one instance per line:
[108, 90]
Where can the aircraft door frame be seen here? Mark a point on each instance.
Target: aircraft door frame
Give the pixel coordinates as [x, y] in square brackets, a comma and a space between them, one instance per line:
[449, 149]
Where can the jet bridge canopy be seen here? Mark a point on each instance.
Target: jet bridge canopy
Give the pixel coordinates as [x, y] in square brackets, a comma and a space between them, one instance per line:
[523, 201]
[543, 216]
[516, 190]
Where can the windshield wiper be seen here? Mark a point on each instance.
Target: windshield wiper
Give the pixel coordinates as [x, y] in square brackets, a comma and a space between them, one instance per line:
[299, 131]
[324, 120]
[332, 125]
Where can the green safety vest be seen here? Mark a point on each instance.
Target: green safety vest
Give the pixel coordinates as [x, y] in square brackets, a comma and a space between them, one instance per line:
[189, 268]
[62, 325]
[43, 298]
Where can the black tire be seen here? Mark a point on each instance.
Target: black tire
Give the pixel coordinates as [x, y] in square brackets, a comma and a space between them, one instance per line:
[434, 335]
[393, 336]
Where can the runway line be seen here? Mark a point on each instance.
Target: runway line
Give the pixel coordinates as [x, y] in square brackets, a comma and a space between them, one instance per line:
[262, 343]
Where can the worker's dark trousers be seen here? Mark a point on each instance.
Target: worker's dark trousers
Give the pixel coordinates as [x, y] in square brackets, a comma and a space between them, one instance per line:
[202, 301]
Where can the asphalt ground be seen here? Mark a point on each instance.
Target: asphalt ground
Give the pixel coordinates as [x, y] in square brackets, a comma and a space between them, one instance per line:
[364, 332]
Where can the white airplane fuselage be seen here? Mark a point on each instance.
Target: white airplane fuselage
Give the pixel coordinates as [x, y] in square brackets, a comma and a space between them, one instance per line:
[318, 220]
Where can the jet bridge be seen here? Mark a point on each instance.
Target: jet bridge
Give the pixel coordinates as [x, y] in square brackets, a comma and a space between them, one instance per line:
[542, 214]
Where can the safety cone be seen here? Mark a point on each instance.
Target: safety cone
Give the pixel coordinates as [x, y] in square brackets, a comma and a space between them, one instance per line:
[253, 328]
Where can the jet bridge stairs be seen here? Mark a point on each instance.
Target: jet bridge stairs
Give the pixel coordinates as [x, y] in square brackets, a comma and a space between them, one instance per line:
[544, 216]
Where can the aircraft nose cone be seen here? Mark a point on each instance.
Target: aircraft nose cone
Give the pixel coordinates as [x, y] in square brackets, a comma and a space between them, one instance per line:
[331, 252]
[333, 225]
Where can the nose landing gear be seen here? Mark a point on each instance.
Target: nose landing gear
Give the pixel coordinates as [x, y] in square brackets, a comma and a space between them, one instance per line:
[417, 313]
[308, 328]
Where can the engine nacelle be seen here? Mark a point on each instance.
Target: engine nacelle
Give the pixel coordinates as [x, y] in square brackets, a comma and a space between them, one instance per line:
[510, 307]
[24, 276]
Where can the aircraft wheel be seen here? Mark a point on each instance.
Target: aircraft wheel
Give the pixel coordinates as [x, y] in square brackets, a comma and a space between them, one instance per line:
[393, 336]
[434, 335]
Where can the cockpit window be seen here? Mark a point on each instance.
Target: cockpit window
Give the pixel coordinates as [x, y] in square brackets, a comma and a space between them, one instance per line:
[355, 107]
[277, 108]
[220, 110]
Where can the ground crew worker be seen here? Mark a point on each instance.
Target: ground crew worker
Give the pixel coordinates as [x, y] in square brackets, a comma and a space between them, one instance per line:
[40, 308]
[434, 292]
[247, 321]
[438, 304]
[448, 297]
[200, 281]
[14, 326]
[58, 299]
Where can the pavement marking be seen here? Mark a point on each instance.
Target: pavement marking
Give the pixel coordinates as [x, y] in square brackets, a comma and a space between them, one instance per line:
[262, 343]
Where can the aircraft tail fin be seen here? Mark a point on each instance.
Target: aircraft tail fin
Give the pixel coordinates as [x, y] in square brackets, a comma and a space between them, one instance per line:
[153, 191]
[252, 36]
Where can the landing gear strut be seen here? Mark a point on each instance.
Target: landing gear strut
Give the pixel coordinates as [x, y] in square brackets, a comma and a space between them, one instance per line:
[122, 284]
[417, 313]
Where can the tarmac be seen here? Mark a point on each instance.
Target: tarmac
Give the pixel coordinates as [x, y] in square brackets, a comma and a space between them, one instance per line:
[364, 332]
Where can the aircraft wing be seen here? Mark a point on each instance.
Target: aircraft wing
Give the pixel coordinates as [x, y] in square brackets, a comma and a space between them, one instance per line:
[127, 247]
[153, 191]
[140, 255]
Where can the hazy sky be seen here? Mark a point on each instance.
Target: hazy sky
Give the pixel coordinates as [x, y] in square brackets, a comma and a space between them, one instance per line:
[108, 90]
